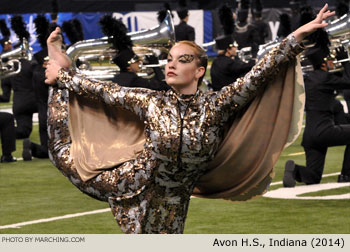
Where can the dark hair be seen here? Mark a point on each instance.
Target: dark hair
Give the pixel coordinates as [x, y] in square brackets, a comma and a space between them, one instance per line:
[199, 53]
[182, 14]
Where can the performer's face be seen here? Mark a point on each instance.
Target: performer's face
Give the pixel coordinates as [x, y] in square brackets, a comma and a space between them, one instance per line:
[232, 51]
[182, 70]
[7, 47]
[135, 67]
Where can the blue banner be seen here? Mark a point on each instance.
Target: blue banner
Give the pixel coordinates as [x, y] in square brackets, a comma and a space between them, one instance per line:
[202, 21]
[89, 23]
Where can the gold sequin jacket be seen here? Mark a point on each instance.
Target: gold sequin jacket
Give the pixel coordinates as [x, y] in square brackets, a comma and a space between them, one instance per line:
[182, 134]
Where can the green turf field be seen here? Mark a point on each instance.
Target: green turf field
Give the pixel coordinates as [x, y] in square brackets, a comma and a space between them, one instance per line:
[36, 190]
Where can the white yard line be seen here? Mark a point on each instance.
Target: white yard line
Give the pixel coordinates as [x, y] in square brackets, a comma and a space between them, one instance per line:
[298, 191]
[323, 176]
[295, 154]
[9, 110]
[67, 216]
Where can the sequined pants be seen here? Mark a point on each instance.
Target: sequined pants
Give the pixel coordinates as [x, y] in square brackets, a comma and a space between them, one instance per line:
[106, 184]
[151, 211]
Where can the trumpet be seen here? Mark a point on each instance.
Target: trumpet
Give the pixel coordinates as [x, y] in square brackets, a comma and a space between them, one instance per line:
[94, 57]
[9, 61]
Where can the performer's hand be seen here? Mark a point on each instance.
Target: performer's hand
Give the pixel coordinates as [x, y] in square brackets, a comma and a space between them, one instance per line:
[51, 72]
[55, 39]
[315, 24]
[341, 53]
[54, 47]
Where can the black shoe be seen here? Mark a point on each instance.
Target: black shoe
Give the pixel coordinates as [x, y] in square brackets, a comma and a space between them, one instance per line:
[8, 159]
[343, 178]
[288, 177]
[27, 152]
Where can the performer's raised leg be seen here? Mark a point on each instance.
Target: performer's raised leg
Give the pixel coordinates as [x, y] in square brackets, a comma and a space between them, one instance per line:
[113, 182]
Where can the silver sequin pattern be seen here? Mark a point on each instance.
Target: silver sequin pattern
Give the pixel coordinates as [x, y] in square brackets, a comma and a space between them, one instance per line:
[151, 193]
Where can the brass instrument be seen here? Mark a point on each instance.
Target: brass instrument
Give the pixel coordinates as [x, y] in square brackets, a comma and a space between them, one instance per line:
[339, 28]
[265, 48]
[339, 36]
[244, 54]
[95, 55]
[9, 61]
[336, 64]
[206, 46]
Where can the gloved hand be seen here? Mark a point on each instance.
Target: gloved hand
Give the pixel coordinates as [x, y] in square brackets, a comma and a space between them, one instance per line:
[341, 53]
[151, 59]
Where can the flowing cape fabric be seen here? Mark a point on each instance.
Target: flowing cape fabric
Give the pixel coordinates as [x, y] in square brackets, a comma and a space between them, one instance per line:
[103, 137]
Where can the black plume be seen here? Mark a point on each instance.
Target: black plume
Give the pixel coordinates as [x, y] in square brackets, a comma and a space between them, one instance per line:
[19, 27]
[5, 31]
[107, 24]
[117, 31]
[78, 28]
[285, 26]
[120, 38]
[320, 36]
[42, 29]
[162, 13]
[67, 28]
[342, 8]
[226, 19]
[322, 40]
[73, 30]
[167, 6]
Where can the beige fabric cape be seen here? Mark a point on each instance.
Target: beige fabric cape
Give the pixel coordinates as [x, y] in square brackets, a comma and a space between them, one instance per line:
[104, 136]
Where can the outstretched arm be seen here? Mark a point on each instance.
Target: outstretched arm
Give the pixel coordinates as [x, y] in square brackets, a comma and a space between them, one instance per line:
[245, 89]
[133, 99]
[315, 24]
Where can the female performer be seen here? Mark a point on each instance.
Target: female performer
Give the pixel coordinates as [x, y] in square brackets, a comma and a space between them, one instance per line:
[183, 128]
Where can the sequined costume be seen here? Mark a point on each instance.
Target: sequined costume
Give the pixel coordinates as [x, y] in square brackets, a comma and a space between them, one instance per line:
[151, 193]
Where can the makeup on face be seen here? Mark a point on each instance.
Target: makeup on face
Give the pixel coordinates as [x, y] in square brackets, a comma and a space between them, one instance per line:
[183, 58]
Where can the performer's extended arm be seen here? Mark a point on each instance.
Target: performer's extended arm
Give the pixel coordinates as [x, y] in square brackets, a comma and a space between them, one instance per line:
[133, 99]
